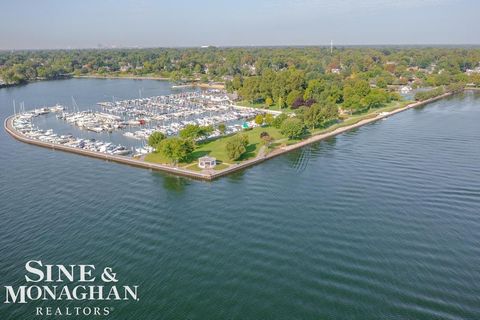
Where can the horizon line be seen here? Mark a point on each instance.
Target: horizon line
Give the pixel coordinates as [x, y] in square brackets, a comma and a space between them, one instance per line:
[340, 45]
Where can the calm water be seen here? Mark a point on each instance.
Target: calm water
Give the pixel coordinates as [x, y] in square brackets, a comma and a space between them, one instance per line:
[379, 223]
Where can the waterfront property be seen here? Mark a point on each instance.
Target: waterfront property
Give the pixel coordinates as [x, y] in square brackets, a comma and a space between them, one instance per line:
[136, 119]
[21, 130]
[369, 214]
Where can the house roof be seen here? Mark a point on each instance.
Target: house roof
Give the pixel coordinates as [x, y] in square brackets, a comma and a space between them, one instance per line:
[206, 158]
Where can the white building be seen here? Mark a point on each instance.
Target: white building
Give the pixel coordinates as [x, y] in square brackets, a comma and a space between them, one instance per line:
[207, 162]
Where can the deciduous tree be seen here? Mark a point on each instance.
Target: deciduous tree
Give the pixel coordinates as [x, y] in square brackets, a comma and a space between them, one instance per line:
[236, 146]
[293, 128]
[155, 138]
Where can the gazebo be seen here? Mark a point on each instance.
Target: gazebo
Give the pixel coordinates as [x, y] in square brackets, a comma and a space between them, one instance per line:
[207, 162]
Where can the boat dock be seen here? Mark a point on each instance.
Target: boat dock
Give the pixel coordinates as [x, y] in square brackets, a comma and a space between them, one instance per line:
[99, 155]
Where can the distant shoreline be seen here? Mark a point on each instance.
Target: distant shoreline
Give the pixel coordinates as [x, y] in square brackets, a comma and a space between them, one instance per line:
[216, 85]
[95, 76]
[186, 85]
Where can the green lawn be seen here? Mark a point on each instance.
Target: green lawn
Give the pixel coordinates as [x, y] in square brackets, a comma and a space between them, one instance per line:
[217, 148]
[157, 158]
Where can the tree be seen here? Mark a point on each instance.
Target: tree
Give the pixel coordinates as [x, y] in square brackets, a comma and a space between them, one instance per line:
[424, 95]
[313, 116]
[190, 131]
[266, 138]
[222, 128]
[268, 119]
[325, 90]
[259, 119]
[354, 92]
[197, 69]
[155, 138]
[298, 103]
[277, 122]
[176, 149]
[475, 79]
[175, 76]
[236, 146]
[194, 131]
[382, 83]
[376, 98]
[281, 103]
[293, 96]
[293, 128]
[456, 87]
[269, 101]
[314, 89]
[205, 131]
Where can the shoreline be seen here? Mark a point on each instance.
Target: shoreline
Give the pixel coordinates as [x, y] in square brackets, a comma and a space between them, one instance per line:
[187, 85]
[211, 174]
[120, 77]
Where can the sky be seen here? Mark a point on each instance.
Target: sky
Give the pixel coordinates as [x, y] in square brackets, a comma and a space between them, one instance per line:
[55, 24]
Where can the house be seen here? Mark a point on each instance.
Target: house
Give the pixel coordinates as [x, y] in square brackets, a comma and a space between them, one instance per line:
[469, 72]
[126, 67]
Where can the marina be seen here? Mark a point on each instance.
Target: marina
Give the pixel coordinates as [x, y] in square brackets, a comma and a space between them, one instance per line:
[170, 113]
[20, 127]
[139, 118]
[23, 124]
[122, 127]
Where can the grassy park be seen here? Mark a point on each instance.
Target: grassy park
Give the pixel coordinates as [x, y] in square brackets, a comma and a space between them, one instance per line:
[217, 147]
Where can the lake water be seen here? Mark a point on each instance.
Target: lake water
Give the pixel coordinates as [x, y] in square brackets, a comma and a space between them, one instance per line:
[379, 223]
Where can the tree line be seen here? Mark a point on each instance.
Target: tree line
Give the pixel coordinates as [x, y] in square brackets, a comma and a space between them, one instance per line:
[381, 65]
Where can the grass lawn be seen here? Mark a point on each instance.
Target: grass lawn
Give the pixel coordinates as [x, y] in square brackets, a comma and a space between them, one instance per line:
[221, 166]
[217, 148]
[157, 158]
